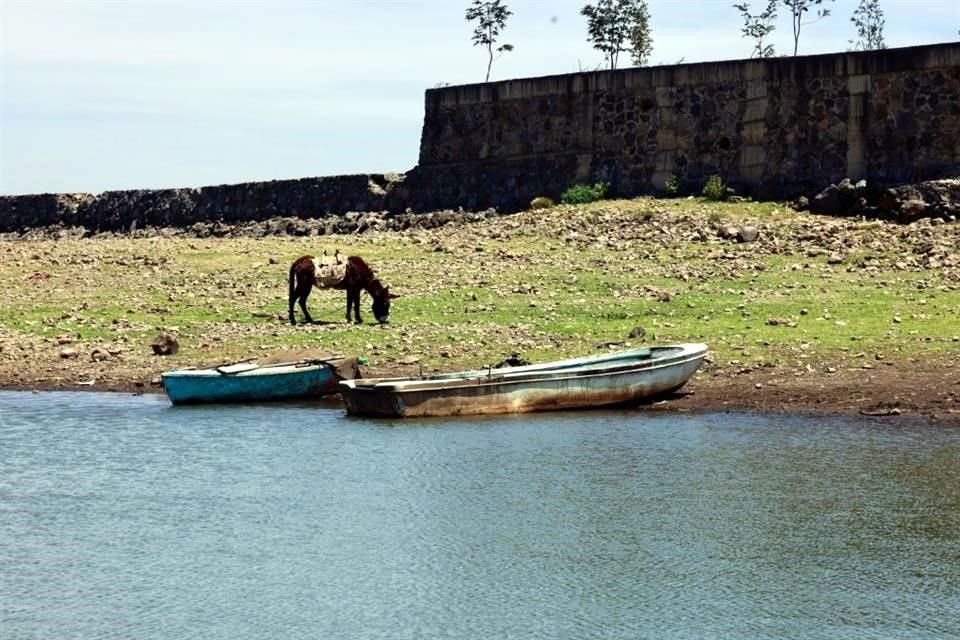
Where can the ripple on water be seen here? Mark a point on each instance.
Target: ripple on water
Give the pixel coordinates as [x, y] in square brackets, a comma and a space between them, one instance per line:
[123, 517]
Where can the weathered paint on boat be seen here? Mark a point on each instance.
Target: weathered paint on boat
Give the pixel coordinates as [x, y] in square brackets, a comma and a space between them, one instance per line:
[612, 379]
[554, 365]
[251, 383]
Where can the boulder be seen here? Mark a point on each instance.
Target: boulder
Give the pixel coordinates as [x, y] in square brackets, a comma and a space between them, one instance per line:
[541, 202]
[843, 198]
[748, 233]
[938, 199]
[827, 202]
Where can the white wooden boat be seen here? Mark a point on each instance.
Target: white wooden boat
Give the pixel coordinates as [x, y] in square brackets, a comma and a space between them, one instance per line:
[617, 378]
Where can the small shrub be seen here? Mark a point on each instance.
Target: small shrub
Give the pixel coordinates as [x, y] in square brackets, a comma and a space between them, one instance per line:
[583, 193]
[672, 185]
[714, 189]
[647, 215]
[541, 202]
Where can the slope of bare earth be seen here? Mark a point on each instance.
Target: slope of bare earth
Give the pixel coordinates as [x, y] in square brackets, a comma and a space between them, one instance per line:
[803, 314]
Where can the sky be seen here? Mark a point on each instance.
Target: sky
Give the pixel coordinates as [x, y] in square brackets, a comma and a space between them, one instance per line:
[105, 95]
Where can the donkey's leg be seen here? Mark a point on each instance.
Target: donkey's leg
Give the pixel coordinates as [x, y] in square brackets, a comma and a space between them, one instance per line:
[349, 303]
[292, 299]
[354, 301]
[307, 288]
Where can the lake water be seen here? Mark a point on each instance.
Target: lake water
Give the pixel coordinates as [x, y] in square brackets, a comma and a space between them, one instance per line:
[123, 517]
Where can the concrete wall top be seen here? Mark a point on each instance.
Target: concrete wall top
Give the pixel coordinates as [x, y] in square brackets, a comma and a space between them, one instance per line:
[916, 58]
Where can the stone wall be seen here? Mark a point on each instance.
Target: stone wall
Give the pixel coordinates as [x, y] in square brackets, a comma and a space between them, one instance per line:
[775, 128]
[125, 210]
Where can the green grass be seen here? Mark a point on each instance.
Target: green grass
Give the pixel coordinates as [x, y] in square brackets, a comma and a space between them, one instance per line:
[551, 283]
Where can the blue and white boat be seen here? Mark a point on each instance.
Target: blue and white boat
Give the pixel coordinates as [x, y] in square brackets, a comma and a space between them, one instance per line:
[618, 378]
[251, 382]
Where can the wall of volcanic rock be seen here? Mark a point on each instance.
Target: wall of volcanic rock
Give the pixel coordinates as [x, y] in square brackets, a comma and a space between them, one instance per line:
[772, 128]
[125, 210]
[775, 127]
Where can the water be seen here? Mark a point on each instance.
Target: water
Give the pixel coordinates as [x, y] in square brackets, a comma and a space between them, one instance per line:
[122, 517]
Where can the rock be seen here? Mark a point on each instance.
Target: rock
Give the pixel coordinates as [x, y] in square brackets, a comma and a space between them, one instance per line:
[541, 202]
[801, 204]
[912, 210]
[728, 231]
[835, 258]
[912, 202]
[99, 355]
[846, 189]
[513, 361]
[69, 353]
[843, 198]
[827, 202]
[165, 345]
[638, 332]
[748, 233]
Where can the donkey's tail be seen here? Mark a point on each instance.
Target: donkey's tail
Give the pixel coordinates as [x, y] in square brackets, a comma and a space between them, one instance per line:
[292, 281]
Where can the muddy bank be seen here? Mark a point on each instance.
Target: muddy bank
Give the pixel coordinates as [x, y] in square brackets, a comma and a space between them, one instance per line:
[915, 389]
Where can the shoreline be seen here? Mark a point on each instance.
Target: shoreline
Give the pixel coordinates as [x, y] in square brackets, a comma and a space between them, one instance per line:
[892, 393]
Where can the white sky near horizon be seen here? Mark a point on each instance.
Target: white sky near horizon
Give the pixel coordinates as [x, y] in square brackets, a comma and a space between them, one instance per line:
[102, 95]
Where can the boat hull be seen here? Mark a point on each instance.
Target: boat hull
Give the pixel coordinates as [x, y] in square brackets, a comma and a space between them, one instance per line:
[608, 382]
[256, 385]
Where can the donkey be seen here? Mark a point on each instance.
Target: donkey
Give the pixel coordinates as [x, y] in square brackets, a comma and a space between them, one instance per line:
[353, 275]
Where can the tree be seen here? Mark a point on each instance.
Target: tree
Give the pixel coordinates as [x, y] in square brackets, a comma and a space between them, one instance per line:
[491, 17]
[797, 9]
[869, 21]
[615, 26]
[758, 27]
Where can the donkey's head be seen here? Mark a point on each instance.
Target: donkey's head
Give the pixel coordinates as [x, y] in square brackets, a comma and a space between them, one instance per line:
[381, 304]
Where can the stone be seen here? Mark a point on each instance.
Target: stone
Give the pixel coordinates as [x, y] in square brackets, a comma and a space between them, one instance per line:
[638, 332]
[165, 345]
[827, 202]
[541, 202]
[912, 210]
[835, 258]
[846, 188]
[728, 231]
[69, 353]
[748, 233]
